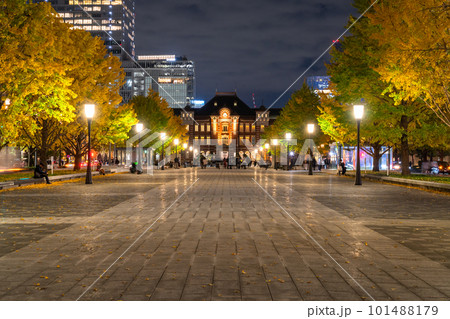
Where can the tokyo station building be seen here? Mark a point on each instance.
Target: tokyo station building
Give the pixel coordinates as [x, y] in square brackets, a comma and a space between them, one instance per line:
[223, 123]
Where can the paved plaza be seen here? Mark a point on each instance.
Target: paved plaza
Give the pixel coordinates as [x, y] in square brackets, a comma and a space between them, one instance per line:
[193, 234]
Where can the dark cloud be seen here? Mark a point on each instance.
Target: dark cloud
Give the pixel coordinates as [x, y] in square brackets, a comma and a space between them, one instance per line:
[253, 46]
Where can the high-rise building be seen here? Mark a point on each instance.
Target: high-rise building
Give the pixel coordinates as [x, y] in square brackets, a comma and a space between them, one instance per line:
[320, 84]
[111, 20]
[172, 77]
[114, 21]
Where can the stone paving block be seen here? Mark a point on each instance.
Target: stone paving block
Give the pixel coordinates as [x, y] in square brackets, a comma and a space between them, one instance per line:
[225, 238]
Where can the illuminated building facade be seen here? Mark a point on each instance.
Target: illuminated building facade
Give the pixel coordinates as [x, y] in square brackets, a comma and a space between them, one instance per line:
[226, 119]
[111, 20]
[319, 84]
[172, 77]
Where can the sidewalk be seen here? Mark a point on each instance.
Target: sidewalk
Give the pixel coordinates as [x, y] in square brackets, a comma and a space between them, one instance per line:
[440, 187]
[194, 234]
[55, 178]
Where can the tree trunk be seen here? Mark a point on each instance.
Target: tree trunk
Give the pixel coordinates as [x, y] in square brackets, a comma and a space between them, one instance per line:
[376, 157]
[77, 165]
[404, 122]
[43, 148]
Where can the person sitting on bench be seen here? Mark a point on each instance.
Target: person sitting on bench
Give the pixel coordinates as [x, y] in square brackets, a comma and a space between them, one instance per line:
[40, 172]
[100, 169]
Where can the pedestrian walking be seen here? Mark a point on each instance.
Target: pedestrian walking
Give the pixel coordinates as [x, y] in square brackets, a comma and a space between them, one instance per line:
[342, 167]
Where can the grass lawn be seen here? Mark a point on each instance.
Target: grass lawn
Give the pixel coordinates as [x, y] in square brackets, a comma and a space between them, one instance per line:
[419, 177]
[30, 174]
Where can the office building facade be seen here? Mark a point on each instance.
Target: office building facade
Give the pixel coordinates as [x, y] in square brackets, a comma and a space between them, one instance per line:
[111, 20]
[114, 22]
[172, 77]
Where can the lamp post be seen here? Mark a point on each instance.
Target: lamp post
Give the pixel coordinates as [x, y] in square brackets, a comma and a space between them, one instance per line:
[310, 131]
[275, 143]
[139, 128]
[176, 141]
[266, 146]
[89, 110]
[358, 111]
[288, 137]
[185, 147]
[163, 137]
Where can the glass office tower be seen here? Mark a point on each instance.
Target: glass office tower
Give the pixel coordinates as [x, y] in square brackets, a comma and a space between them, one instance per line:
[111, 20]
[172, 77]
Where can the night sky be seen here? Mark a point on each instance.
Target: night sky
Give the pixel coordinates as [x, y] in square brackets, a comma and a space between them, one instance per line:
[252, 46]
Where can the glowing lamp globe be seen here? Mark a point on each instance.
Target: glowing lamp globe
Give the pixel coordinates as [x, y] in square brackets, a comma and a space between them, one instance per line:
[358, 110]
[89, 110]
[139, 127]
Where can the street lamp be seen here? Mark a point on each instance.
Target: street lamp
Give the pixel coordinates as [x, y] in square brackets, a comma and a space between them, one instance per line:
[185, 147]
[310, 128]
[191, 153]
[176, 141]
[163, 137]
[358, 111]
[288, 138]
[275, 143]
[89, 110]
[139, 128]
[7, 103]
[261, 157]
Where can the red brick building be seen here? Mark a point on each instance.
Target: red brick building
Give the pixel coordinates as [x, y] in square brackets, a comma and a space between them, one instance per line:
[225, 120]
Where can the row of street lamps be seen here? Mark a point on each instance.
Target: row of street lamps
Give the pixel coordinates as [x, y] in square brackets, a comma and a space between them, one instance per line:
[357, 109]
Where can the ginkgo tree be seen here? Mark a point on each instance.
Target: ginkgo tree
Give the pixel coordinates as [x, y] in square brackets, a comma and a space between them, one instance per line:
[300, 110]
[415, 38]
[97, 79]
[354, 71]
[56, 71]
[156, 115]
[34, 58]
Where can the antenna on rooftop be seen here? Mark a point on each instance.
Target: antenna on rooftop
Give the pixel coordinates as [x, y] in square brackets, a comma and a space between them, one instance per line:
[254, 102]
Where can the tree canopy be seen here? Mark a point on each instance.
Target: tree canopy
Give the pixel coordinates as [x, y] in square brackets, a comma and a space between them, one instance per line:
[354, 72]
[51, 71]
[300, 110]
[415, 38]
[155, 114]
